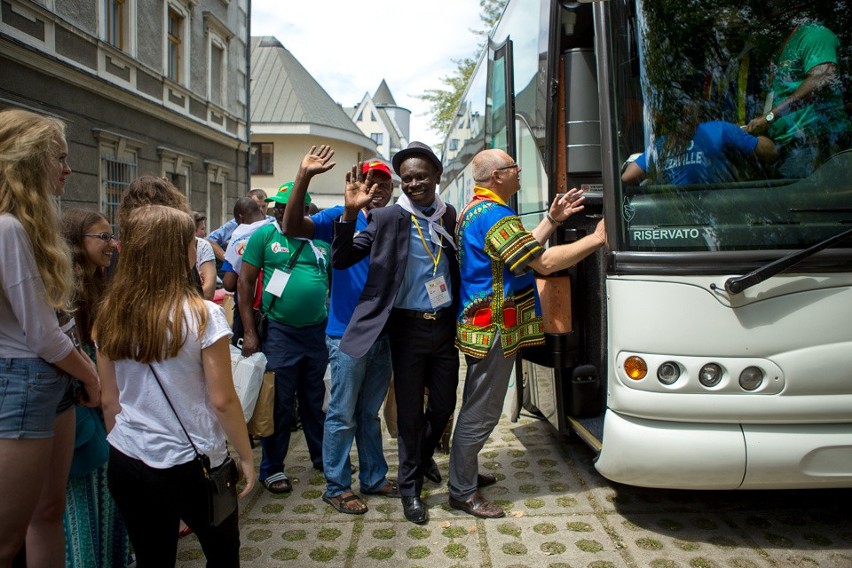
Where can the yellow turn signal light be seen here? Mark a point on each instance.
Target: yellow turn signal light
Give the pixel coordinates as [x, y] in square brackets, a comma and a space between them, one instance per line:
[635, 367]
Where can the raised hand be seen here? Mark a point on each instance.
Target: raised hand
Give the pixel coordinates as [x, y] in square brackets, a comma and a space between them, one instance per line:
[359, 188]
[316, 161]
[567, 204]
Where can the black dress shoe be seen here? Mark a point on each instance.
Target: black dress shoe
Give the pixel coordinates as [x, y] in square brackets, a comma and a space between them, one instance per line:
[485, 479]
[414, 509]
[432, 472]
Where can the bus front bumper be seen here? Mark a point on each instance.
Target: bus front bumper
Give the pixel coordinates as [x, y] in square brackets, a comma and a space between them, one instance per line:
[680, 455]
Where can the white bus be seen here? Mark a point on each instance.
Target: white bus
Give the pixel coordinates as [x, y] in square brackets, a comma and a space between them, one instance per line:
[710, 347]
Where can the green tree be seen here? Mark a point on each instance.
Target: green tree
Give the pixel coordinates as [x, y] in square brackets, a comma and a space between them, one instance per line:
[444, 101]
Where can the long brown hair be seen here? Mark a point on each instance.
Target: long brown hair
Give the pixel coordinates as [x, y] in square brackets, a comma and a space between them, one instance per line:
[89, 284]
[141, 316]
[149, 190]
[28, 142]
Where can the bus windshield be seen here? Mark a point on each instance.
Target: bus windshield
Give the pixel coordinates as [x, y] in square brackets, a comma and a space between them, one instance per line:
[733, 123]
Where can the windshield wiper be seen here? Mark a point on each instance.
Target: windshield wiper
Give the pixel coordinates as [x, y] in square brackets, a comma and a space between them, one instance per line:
[738, 284]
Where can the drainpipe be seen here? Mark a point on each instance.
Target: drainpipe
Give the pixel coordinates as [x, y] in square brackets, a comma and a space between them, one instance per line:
[248, 101]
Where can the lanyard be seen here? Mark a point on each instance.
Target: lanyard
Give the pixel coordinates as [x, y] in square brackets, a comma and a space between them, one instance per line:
[435, 259]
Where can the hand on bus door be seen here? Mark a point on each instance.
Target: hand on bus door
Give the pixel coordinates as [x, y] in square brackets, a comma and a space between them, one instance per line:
[566, 204]
[600, 232]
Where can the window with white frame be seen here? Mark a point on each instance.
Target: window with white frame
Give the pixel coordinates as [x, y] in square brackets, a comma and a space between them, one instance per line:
[261, 159]
[241, 87]
[218, 36]
[217, 181]
[217, 75]
[377, 137]
[118, 167]
[177, 168]
[118, 24]
[176, 46]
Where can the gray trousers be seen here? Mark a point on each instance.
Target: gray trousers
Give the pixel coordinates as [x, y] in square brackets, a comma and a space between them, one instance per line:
[485, 387]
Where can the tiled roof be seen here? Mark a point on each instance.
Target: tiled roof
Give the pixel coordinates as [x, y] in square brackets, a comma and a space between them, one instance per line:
[383, 96]
[282, 91]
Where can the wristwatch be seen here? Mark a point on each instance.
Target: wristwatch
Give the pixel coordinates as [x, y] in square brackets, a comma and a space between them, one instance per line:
[770, 116]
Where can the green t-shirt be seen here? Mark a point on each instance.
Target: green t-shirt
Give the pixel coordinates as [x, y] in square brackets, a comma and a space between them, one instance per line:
[304, 299]
[811, 44]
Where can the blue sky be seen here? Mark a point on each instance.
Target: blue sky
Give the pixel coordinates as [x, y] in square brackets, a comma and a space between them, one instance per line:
[349, 47]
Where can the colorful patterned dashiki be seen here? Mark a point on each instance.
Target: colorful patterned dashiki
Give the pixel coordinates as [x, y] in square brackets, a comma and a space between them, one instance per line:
[498, 289]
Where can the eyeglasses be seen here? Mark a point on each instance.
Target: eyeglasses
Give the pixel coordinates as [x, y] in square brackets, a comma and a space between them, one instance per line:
[105, 237]
[509, 167]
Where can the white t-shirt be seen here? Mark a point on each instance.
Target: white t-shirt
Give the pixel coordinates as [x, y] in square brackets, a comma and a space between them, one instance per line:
[28, 325]
[146, 427]
[204, 253]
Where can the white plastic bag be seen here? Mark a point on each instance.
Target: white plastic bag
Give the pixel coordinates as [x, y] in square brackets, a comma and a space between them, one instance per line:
[248, 376]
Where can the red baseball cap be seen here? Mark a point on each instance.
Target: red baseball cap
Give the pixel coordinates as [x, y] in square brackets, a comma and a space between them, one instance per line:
[376, 166]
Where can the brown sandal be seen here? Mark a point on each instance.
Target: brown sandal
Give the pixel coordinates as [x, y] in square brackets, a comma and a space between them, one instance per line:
[344, 503]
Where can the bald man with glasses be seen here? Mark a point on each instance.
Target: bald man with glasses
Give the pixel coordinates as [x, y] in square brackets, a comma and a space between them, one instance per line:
[499, 311]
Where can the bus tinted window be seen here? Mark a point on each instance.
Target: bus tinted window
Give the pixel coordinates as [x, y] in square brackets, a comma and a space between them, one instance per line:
[733, 122]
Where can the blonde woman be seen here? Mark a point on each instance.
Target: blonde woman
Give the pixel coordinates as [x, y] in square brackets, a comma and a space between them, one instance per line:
[154, 324]
[37, 359]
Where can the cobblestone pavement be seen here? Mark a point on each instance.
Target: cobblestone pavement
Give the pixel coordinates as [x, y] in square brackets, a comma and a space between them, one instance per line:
[561, 514]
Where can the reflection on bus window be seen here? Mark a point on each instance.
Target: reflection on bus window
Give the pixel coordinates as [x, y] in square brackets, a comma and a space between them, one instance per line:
[736, 111]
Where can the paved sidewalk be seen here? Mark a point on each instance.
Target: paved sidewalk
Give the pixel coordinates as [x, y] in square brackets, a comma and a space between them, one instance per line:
[561, 514]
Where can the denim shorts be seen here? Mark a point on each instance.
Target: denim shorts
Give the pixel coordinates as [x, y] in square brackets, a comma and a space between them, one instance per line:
[30, 393]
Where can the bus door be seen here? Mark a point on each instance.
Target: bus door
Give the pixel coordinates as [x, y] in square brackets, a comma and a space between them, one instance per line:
[572, 395]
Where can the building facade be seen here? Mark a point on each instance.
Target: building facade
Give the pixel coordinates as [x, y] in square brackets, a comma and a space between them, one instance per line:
[146, 86]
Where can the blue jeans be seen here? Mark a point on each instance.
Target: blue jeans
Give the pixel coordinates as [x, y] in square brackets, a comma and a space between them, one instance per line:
[30, 393]
[358, 387]
[298, 357]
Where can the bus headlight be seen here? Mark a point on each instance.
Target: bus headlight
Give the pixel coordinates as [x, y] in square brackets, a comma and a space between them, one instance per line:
[668, 373]
[635, 367]
[710, 375]
[751, 378]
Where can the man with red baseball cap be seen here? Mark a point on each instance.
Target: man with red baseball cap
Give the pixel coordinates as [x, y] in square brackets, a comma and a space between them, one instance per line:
[358, 384]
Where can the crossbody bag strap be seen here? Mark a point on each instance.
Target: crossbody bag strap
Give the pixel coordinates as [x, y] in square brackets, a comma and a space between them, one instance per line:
[188, 437]
[291, 262]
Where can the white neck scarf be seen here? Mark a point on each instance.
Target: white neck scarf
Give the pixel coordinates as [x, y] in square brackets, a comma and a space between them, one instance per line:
[435, 228]
[321, 262]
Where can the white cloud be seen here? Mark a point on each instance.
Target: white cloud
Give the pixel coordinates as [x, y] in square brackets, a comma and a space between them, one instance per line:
[349, 47]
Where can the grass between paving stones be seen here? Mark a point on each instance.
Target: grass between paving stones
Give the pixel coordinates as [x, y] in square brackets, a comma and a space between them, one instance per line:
[323, 554]
[419, 533]
[329, 534]
[588, 545]
[380, 552]
[545, 528]
[514, 549]
[384, 534]
[417, 552]
[456, 551]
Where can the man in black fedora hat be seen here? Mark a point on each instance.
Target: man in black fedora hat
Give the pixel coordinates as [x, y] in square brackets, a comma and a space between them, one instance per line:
[411, 293]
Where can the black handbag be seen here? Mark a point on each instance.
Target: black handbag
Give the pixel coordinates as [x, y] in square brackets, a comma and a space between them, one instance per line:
[261, 324]
[221, 481]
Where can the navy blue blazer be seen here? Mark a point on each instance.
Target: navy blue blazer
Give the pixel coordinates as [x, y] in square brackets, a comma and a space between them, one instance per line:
[385, 240]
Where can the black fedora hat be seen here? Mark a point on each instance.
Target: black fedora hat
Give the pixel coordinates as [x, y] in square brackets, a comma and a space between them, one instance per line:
[418, 149]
